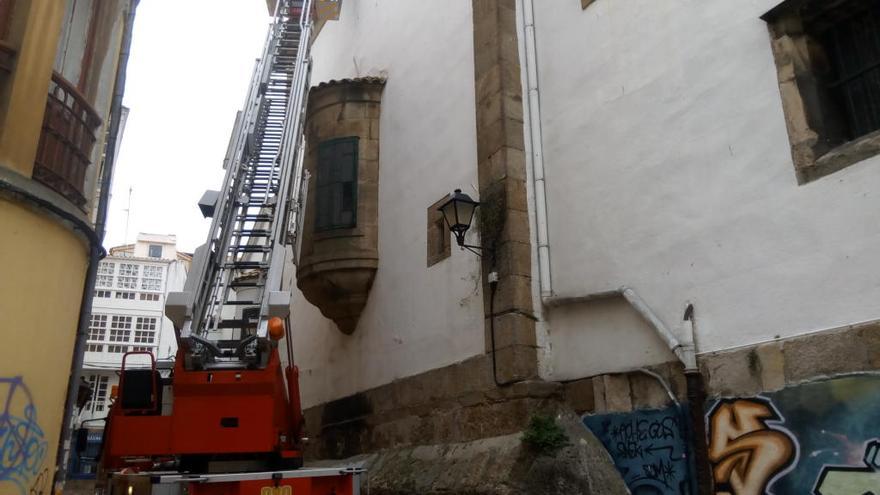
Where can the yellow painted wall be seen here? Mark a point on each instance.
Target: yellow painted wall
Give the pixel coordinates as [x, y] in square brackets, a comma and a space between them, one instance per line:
[42, 271]
[35, 32]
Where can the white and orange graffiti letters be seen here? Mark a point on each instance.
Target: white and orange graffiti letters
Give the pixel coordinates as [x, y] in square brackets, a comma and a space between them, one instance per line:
[746, 452]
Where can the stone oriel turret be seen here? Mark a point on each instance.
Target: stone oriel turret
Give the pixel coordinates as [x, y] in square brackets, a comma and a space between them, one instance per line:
[339, 253]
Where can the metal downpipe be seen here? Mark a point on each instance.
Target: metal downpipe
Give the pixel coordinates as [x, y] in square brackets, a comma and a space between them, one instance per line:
[534, 144]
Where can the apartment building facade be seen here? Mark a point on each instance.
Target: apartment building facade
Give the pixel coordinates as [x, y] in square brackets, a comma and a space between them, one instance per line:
[128, 315]
[680, 198]
[60, 62]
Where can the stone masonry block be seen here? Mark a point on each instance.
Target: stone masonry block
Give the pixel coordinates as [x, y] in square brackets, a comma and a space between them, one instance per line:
[825, 354]
[647, 392]
[515, 189]
[509, 44]
[383, 398]
[733, 373]
[869, 335]
[618, 395]
[499, 79]
[369, 149]
[515, 258]
[356, 110]
[490, 137]
[411, 391]
[488, 84]
[516, 227]
[489, 111]
[514, 294]
[503, 164]
[372, 110]
[580, 395]
[356, 127]
[601, 406]
[516, 363]
[511, 329]
[673, 373]
[513, 105]
[771, 365]
[474, 374]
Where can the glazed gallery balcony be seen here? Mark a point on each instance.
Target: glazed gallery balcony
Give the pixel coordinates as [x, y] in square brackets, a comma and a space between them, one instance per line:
[68, 136]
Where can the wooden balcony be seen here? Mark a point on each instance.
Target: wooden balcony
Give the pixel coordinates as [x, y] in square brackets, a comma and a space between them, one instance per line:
[66, 142]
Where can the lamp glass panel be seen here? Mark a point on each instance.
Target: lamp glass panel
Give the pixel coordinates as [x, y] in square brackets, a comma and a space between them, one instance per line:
[465, 213]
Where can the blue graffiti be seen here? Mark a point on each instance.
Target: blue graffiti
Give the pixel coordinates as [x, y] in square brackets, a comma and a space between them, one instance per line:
[649, 448]
[22, 443]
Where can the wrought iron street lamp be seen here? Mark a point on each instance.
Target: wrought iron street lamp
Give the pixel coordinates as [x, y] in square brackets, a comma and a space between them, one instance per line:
[458, 212]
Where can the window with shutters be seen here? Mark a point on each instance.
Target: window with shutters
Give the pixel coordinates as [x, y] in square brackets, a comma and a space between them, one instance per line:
[828, 63]
[336, 188]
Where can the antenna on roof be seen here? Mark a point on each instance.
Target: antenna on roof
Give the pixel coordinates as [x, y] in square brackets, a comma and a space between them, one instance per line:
[127, 216]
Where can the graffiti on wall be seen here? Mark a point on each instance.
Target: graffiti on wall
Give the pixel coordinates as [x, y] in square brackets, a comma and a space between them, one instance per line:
[818, 438]
[22, 443]
[748, 447]
[648, 448]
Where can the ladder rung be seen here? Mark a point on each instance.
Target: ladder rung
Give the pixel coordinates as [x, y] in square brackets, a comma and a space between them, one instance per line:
[249, 249]
[245, 264]
[236, 324]
[245, 284]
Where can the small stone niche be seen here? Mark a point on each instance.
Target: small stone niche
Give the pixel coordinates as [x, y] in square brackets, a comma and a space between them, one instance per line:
[339, 254]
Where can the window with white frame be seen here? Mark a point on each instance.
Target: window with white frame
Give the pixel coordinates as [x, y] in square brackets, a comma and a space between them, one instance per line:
[105, 274]
[117, 349]
[128, 275]
[124, 295]
[98, 400]
[97, 327]
[146, 296]
[155, 251]
[152, 278]
[94, 347]
[120, 329]
[102, 293]
[145, 330]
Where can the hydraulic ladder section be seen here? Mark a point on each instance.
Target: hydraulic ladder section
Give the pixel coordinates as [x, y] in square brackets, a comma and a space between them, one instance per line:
[234, 286]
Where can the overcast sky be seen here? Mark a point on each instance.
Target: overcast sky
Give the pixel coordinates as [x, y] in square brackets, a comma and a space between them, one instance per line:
[189, 69]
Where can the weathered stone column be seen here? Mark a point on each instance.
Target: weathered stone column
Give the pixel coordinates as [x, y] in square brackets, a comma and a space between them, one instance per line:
[502, 178]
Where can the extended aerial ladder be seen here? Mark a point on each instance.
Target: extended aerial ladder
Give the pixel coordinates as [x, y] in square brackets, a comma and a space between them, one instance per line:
[228, 419]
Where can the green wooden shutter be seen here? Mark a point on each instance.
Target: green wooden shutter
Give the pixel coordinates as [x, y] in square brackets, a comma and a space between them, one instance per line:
[336, 188]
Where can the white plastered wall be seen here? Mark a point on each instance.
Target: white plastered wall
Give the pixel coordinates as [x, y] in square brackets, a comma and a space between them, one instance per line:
[417, 318]
[668, 170]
